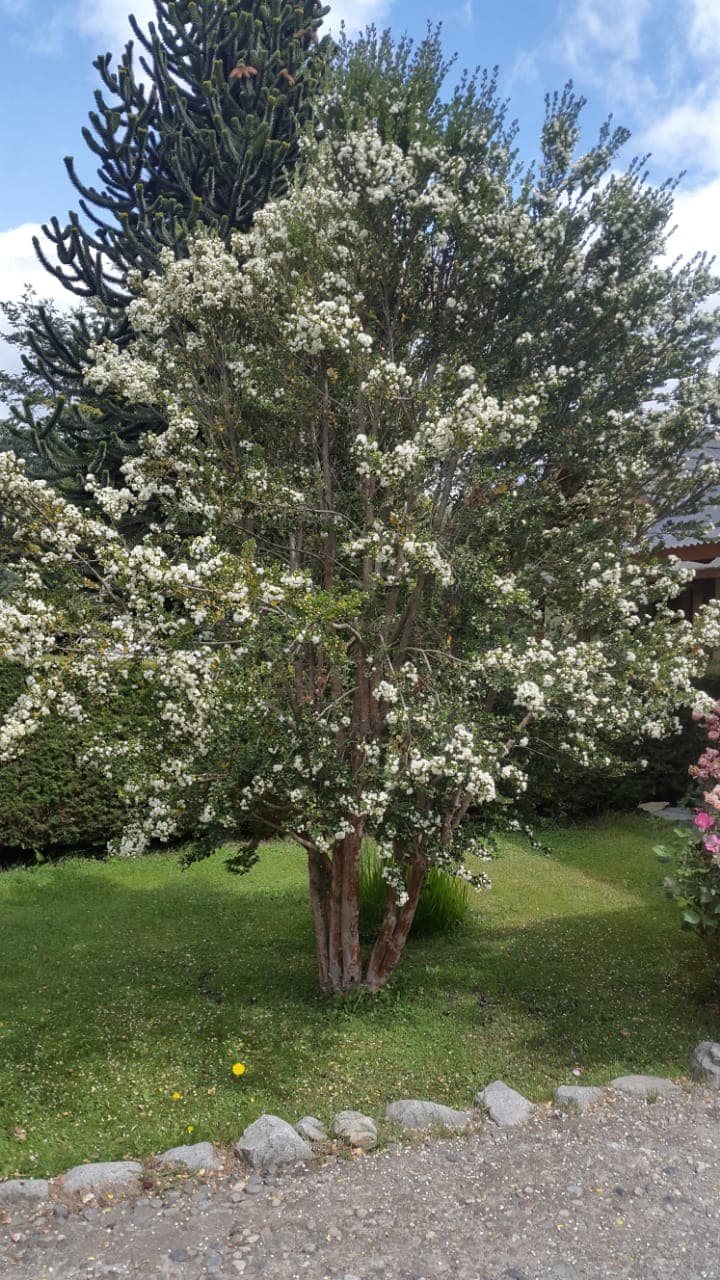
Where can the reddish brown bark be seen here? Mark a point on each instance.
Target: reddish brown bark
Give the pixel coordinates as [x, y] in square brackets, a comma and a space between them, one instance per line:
[394, 930]
[335, 901]
[319, 880]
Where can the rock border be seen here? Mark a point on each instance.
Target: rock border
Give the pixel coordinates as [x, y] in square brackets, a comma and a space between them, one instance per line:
[271, 1144]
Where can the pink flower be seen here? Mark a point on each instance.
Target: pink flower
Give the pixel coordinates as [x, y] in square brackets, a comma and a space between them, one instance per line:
[712, 844]
[708, 766]
[703, 821]
[712, 797]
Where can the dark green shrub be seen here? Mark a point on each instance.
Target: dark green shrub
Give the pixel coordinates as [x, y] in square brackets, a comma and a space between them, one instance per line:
[560, 791]
[49, 802]
[444, 900]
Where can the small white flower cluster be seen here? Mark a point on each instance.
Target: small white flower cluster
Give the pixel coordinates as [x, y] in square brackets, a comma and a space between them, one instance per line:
[110, 368]
[530, 696]
[329, 325]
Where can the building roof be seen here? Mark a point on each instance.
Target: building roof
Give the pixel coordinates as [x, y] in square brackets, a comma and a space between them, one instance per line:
[704, 525]
[668, 533]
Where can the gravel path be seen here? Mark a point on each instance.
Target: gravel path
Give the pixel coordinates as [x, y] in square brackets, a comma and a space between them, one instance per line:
[631, 1189]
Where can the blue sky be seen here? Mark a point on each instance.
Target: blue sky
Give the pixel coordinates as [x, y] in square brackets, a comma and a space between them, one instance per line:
[655, 64]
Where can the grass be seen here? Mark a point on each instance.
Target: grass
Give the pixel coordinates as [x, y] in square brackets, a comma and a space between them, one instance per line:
[444, 900]
[122, 984]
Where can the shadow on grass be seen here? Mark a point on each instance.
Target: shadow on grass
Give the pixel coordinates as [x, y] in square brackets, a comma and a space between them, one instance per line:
[227, 958]
[116, 998]
[602, 991]
[627, 843]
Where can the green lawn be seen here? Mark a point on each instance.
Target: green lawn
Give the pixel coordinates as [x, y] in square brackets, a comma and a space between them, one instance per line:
[124, 983]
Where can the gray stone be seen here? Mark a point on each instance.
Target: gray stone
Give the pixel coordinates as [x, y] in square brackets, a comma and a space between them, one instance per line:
[24, 1190]
[676, 813]
[705, 1063]
[270, 1143]
[198, 1155]
[654, 806]
[311, 1129]
[577, 1097]
[504, 1105]
[118, 1175]
[644, 1086]
[355, 1129]
[411, 1113]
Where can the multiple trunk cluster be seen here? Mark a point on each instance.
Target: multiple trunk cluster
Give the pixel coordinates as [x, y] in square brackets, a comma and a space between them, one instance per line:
[335, 901]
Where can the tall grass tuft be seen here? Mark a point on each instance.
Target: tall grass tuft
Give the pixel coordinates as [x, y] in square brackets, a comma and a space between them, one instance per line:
[444, 900]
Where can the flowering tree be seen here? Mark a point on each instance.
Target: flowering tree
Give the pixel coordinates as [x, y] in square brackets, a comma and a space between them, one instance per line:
[419, 420]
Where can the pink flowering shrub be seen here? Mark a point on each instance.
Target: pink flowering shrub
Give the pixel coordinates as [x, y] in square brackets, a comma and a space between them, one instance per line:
[695, 882]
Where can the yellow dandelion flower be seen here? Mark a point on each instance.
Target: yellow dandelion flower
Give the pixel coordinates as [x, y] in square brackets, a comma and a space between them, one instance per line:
[238, 1068]
[176, 1096]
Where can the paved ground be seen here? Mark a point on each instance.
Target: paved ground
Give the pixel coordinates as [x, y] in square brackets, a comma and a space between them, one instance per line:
[630, 1190]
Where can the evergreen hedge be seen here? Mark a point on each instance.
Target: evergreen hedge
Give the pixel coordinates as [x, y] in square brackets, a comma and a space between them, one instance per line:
[49, 801]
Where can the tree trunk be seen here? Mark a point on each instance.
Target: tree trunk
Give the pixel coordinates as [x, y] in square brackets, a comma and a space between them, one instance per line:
[335, 901]
[395, 927]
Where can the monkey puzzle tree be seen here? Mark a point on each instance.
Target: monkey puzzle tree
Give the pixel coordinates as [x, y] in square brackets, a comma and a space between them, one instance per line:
[201, 130]
[419, 421]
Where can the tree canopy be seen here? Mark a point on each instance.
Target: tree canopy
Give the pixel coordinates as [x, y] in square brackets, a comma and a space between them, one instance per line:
[200, 130]
[418, 422]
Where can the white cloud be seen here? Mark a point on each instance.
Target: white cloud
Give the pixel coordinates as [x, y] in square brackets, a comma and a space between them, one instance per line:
[690, 133]
[704, 35]
[355, 16]
[610, 28]
[19, 266]
[104, 23]
[598, 43]
[698, 225]
[107, 20]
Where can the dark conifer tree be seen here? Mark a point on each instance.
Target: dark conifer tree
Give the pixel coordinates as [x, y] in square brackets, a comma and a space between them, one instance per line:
[200, 130]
